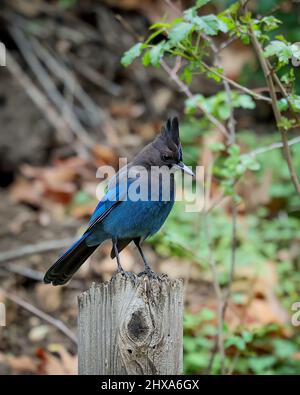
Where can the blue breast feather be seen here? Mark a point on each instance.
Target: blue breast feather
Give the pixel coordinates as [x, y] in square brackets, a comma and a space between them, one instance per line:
[121, 219]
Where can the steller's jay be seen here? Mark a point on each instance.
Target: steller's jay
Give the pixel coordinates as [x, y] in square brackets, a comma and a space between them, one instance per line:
[125, 220]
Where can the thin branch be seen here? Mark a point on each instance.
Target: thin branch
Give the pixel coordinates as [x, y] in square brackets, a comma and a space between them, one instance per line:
[237, 85]
[276, 111]
[232, 259]
[44, 246]
[226, 44]
[216, 284]
[185, 89]
[283, 91]
[41, 314]
[272, 147]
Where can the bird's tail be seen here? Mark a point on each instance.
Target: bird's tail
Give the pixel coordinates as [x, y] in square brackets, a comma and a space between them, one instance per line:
[64, 268]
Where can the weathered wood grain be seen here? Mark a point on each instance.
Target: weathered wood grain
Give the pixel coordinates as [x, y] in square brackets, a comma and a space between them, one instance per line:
[128, 327]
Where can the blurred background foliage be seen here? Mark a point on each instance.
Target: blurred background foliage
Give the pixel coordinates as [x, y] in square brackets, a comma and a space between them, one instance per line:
[48, 183]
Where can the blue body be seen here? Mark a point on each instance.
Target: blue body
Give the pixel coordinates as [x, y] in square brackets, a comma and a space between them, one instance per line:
[131, 219]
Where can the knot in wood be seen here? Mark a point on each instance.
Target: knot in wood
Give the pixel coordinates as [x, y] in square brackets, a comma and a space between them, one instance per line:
[138, 328]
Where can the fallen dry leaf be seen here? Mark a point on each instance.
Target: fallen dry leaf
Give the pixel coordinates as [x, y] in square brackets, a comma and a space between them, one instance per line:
[48, 298]
[104, 155]
[24, 191]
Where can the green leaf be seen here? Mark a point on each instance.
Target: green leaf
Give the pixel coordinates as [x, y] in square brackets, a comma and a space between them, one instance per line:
[295, 101]
[191, 103]
[130, 55]
[159, 25]
[224, 111]
[295, 48]
[247, 336]
[282, 104]
[180, 32]
[201, 3]
[261, 363]
[146, 59]
[284, 348]
[234, 150]
[244, 101]
[229, 22]
[187, 75]
[286, 123]
[196, 360]
[157, 53]
[210, 24]
[216, 77]
[270, 23]
[216, 147]
[236, 341]
[207, 314]
[280, 49]
[234, 8]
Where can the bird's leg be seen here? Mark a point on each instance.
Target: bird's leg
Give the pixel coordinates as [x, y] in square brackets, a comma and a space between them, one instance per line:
[120, 269]
[148, 269]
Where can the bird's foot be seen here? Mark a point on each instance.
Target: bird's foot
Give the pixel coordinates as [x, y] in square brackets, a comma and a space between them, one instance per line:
[128, 275]
[149, 272]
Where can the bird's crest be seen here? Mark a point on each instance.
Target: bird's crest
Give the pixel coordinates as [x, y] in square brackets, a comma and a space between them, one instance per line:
[170, 131]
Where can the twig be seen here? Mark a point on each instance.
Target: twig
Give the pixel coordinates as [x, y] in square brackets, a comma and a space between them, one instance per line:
[237, 85]
[272, 147]
[41, 314]
[283, 91]
[217, 288]
[35, 249]
[184, 88]
[276, 111]
[227, 43]
[232, 259]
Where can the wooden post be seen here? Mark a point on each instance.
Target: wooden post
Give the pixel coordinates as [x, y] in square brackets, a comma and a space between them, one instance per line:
[128, 327]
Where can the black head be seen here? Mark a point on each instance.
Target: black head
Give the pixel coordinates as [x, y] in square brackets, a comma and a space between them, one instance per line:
[168, 144]
[165, 150]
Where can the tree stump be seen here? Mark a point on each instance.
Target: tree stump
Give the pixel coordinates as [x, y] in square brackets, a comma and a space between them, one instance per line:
[131, 327]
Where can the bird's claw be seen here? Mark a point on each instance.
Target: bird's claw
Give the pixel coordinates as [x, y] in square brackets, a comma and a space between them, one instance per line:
[128, 275]
[149, 272]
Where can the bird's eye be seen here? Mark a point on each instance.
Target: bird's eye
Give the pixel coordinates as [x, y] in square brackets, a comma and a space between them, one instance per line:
[166, 157]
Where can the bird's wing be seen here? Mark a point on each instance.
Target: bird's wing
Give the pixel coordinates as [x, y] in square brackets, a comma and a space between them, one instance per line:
[114, 195]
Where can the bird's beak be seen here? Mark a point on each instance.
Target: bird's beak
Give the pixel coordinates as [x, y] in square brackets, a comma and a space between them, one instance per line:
[186, 169]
